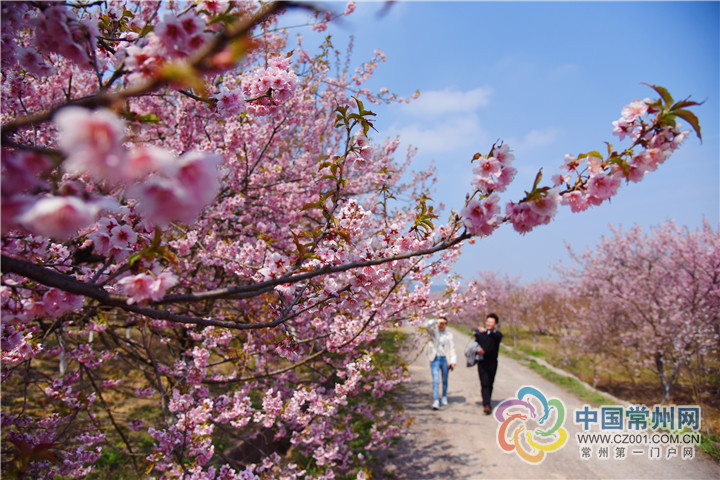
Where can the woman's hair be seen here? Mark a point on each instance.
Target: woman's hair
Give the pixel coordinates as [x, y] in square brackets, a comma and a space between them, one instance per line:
[494, 316]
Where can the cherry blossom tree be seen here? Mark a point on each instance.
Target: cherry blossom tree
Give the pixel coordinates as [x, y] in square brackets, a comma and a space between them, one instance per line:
[197, 219]
[499, 291]
[543, 307]
[652, 299]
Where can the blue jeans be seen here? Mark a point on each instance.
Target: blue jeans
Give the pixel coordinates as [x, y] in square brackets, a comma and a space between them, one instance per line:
[437, 366]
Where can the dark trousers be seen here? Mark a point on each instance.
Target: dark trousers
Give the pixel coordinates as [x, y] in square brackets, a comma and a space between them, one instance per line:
[486, 371]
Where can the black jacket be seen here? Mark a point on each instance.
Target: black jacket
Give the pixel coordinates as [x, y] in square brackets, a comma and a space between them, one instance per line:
[490, 342]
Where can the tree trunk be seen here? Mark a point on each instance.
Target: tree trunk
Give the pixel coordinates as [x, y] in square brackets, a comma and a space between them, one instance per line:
[666, 383]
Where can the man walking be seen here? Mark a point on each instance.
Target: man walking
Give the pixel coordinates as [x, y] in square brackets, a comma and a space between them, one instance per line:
[489, 340]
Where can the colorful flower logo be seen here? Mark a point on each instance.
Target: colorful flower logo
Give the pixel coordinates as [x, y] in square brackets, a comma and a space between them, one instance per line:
[519, 418]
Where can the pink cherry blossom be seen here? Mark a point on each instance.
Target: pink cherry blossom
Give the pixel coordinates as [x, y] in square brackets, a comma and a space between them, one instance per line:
[480, 216]
[349, 8]
[144, 60]
[92, 140]
[570, 163]
[137, 287]
[122, 237]
[58, 30]
[214, 6]
[145, 159]
[163, 201]
[507, 175]
[231, 102]
[523, 217]
[62, 217]
[602, 186]
[546, 205]
[172, 34]
[635, 109]
[623, 129]
[503, 154]
[198, 175]
[663, 280]
[34, 63]
[145, 286]
[20, 172]
[55, 302]
[487, 168]
[576, 200]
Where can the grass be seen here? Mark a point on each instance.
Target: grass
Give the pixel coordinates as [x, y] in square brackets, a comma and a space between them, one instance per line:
[710, 444]
[571, 385]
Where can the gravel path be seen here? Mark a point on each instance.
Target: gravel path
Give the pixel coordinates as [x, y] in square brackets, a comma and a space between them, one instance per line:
[459, 441]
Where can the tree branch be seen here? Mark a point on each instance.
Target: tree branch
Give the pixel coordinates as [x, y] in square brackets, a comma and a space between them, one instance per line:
[67, 283]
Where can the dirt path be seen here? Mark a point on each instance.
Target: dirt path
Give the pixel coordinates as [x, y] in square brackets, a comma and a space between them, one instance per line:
[459, 441]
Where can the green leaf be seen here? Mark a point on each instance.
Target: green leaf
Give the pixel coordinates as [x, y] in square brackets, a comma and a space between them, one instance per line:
[538, 179]
[184, 75]
[225, 18]
[311, 206]
[146, 118]
[594, 153]
[683, 104]
[690, 117]
[667, 98]
[609, 149]
[343, 234]
[133, 259]
[300, 247]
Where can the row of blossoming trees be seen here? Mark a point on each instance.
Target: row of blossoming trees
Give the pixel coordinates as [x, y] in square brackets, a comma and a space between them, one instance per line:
[196, 224]
[639, 302]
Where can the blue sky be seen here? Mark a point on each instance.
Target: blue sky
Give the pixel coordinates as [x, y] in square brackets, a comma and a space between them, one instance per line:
[547, 78]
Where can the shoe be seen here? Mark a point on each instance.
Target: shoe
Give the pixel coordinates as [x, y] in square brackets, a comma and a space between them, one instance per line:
[487, 409]
[443, 401]
[436, 405]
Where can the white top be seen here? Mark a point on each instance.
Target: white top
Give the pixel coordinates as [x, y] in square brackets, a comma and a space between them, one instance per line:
[441, 344]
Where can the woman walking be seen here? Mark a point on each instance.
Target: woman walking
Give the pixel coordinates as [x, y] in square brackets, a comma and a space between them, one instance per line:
[441, 353]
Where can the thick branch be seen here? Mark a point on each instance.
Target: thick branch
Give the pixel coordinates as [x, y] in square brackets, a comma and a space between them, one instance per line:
[67, 283]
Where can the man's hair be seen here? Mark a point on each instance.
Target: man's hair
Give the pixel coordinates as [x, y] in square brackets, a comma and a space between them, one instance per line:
[494, 316]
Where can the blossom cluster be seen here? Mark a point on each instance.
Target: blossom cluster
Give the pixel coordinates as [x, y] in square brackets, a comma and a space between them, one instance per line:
[166, 188]
[601, 177]
[493, 173]
[586, 180]
[268, 88]
[57, 30]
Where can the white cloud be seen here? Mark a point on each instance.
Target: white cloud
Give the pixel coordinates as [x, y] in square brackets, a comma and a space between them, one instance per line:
[539, 138]
[565, 70]
[449, 101]
[443, 136]
[533, 140]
